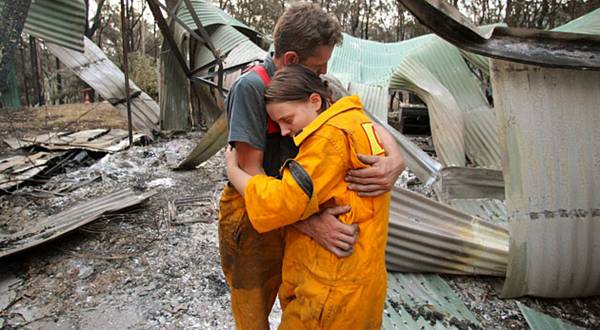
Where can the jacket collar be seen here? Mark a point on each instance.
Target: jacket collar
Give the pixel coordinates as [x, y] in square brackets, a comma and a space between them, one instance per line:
[342, 105]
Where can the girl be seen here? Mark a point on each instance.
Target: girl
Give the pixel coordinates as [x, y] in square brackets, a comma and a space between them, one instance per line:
[320, 290]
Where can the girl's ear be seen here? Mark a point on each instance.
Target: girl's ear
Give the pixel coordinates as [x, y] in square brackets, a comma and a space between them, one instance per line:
[315, 101]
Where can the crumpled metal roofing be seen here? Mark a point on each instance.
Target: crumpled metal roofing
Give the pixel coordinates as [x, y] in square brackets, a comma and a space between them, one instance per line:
[552, 178]
[462, 121]
[99, 139]
[424, 301]
[209, 15]
[38, 232]
[427, 236]
[17, 169]
[224, 38]
[588, 24]
[174, 86]
[545, 48]
[368, 62]
[232, 39]
[93, 67]
[61, 22]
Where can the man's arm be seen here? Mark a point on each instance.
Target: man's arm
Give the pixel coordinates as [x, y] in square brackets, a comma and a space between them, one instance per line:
[380, 177]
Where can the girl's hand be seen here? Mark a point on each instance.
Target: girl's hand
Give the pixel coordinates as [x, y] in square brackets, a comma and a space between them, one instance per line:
[231, 158]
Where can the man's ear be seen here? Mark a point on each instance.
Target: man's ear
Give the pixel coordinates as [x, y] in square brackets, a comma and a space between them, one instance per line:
[290, 57]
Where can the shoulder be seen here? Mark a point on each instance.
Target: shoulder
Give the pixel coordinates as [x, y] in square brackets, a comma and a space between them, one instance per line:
[349, 121]
[328, 138]
[249, 82]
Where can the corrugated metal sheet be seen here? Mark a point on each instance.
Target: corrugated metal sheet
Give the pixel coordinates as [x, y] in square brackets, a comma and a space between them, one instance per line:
[548, 122]
[519, 45]
[100, 139]
[368, 62]
[469, 182]
[44, 230]
[589, 24]
[427, 236]
[17, 169]
[174, 93]
[461, 119]
[540, 321]
[424, 301]
[224, 38]
[375, 99]
[93, 67]
[61, 22]
[209, 15]
[493, 210]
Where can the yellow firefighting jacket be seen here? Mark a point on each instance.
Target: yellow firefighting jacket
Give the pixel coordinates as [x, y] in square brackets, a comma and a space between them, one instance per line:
[319, 287]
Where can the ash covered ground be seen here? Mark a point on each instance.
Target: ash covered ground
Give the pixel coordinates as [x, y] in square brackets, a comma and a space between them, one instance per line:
[138, 270]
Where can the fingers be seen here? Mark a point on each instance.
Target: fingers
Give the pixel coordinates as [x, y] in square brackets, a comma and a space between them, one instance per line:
[338, 210]
[367, 172]
[367, 188]
[367, 159]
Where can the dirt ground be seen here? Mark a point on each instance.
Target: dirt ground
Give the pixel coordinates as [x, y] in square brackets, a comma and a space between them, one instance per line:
[136, 269]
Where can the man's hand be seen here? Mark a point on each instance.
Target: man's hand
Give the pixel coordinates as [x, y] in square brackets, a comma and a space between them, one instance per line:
[329, 232]
[382, 173]
[376, 179]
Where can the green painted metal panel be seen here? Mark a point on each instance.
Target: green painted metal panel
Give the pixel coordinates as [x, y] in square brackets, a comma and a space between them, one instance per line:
[224, 38]
[209, 15]
[57, 21]
[541, 321]
[174, 87]
[424, 301]
[10, 96]
[589, 24]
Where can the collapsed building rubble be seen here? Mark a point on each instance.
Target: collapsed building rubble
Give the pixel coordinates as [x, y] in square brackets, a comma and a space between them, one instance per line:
[466, 230]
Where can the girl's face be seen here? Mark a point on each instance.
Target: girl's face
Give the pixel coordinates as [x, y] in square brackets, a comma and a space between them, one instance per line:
[293, 116]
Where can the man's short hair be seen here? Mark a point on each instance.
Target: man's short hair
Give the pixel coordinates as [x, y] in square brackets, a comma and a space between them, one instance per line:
[303, 27]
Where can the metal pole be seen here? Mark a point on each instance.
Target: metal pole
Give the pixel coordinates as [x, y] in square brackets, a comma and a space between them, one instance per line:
[125, 41]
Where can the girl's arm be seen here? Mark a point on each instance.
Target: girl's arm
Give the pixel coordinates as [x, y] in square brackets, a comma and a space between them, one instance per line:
[238, 178]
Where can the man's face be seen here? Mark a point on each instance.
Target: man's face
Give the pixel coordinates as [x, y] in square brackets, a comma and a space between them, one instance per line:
[318, 61]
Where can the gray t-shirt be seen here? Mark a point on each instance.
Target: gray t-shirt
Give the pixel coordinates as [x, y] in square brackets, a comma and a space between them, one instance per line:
[247, 118]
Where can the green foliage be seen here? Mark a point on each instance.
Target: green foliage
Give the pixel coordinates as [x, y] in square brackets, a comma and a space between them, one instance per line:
[143, 71]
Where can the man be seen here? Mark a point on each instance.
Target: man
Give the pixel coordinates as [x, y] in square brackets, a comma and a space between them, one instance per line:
[252, 262]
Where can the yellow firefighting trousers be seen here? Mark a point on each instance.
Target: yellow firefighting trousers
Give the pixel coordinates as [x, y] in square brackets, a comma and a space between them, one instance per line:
[251, 263]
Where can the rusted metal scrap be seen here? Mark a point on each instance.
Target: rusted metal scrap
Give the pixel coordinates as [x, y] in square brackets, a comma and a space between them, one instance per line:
[175, 207]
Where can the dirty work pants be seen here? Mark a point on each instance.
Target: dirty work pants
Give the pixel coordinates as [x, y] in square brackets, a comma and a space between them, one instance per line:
[251, 262]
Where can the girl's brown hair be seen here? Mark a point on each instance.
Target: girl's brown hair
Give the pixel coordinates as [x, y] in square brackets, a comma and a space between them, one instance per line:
[297, 83]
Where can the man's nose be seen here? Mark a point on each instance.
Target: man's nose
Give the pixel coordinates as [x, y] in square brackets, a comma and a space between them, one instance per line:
[323, 70]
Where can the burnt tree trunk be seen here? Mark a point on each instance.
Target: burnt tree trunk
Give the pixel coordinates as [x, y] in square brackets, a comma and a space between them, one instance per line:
[13, 15]
[38, 97]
